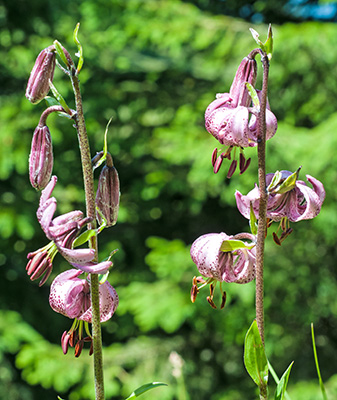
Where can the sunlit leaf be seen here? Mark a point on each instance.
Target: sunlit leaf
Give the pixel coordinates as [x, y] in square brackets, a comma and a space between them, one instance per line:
[144, 388]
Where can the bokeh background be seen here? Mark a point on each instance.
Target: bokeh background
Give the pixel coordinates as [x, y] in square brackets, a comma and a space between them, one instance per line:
[154, 66]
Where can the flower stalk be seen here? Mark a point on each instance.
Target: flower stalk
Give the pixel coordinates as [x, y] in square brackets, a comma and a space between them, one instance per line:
[88, 179]
[262, 223]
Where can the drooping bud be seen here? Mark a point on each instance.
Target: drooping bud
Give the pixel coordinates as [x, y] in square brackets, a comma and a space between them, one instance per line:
[42, 72]
[41, 158]
[107, 195]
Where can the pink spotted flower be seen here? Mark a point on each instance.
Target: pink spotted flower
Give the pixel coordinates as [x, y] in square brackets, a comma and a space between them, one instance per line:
[232, 120]
[222, 258]
[295, 202]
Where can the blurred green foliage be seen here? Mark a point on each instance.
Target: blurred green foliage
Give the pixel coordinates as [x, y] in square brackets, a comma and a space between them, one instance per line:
[154, 66]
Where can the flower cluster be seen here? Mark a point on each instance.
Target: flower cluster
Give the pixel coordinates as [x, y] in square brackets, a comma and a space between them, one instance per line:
[69, 294]
[233, 121]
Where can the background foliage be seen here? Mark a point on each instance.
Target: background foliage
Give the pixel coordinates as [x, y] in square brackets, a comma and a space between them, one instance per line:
[155, 66]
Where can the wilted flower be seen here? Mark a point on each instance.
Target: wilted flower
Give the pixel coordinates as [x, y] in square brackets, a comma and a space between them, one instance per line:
[41, 158]
[299, 203]
[223, 258]
[232, 122]
[107, 196]
[42, 73]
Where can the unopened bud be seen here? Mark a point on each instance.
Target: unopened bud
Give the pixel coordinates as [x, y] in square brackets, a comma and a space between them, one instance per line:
[41, 158]
[42, 72]
[107, 196]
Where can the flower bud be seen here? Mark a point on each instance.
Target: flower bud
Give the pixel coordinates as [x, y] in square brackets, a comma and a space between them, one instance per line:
[42, 72]
[41, 158]
[107, 196]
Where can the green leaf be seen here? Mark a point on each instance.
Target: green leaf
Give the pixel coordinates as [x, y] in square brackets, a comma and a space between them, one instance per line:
[105, 146]
[60, 52]
[144, 388]
[282, 384]
[252, 221]
[59, 98]
[79, 54]
[267, 46]
[255, 357]
[253, 95]
[84, 237]
[321, 384]
[232, 245]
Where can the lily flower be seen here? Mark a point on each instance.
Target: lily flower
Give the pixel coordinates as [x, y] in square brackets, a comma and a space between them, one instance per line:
[298, 203]
[232, 121]
[70, 296]
[223, 258]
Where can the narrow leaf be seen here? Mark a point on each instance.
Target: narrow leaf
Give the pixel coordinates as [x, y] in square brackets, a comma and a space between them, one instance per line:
[252, 221]
[84, 237]
[256, 37]
[321, 384]
[276, 379]
[79, 48]
[253, 95]
[255, 357]
[60, 52]
[105, 146]
[268, 44]
[282, 384]
[289, 183]
[232, 245]
[59, 98]
[144, 388]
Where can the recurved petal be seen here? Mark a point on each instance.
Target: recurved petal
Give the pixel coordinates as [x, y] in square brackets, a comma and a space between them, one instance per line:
[108, 302]
[304, 202]
[94, 268]
[65, 288]
[77, 257]
[48, 190]
[243, 202]
[242, 269]
[236, 131]
[45, 215]
[205, 253]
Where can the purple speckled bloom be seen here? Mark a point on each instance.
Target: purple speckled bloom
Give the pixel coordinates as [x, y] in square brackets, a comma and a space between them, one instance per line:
[233, 121]
[236, 266]
[42, 72]
[299, 203]
[41, 158]
[63, 231]
[70, 296]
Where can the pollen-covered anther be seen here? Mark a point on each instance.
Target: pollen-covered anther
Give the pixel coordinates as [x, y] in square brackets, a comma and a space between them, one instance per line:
[214, 156]
[79, 348]
[211, 302]
[285, 234]
[194, 292]
[276, 239]
[223, 300]
[232, 169]
[218, 164]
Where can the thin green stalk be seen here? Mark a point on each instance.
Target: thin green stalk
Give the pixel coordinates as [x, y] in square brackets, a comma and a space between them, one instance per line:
[90, 210]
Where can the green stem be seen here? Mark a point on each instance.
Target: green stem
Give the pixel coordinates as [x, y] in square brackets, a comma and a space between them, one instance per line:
[91, 211]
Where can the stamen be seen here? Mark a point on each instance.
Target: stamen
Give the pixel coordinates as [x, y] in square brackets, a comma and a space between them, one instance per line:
[276, 239]
[214, 156]
[223, 300]
[242, 161]
[211, 302]
[246, 166]
[194, 292]
[232, 169]
[217, 164]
